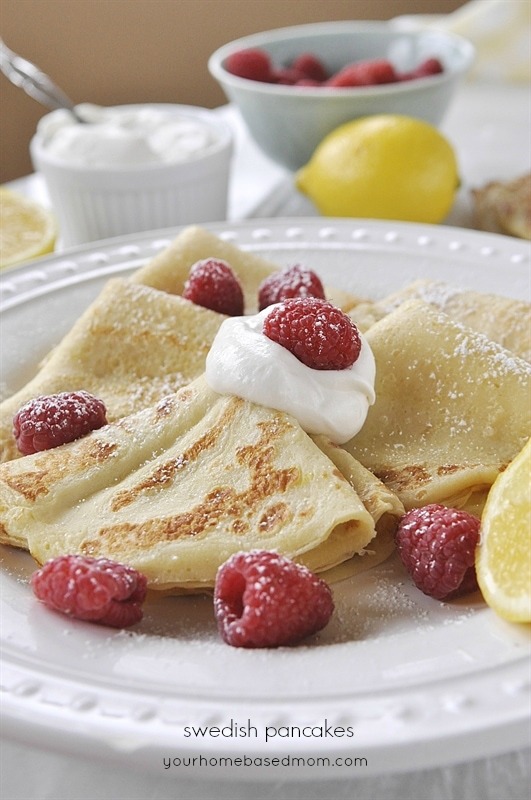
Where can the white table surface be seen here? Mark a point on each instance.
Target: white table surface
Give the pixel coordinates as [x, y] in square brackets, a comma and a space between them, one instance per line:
[489, 126]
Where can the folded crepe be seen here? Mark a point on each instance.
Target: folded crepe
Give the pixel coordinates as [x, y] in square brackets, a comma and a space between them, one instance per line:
[502, 319]
[131, 347]
[452, 409]
[504, 206]
[139, 340]
[169, 270]
[175, 489]
[382, 504]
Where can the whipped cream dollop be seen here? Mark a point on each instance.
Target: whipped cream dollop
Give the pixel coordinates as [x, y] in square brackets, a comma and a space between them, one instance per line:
[124, 136]
[244, 362]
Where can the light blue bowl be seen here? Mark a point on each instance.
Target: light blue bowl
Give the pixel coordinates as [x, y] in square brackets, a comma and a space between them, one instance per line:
[288, 122]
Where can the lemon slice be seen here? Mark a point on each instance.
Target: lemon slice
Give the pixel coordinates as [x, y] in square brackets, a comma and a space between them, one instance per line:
[27, 230]
[385, 167]
[503, 558]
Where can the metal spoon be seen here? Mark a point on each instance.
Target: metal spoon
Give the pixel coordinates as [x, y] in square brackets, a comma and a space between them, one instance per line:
[33, 81]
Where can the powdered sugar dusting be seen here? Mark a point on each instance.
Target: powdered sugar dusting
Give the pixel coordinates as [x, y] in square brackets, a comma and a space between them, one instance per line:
[435, 293]
[501, 361]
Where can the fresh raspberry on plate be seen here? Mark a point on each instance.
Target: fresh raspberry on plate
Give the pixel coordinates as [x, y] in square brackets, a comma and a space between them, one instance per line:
[92, 589]
[263, 599]
[364, 73]
[213, 284]
[437, 547]
[318, 333]
[253, 64]
[51, 420]
[294, 281]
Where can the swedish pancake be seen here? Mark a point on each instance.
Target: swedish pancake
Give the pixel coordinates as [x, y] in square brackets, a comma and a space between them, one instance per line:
[382, 504]
[504, 206]
[504, 320]
[175, 489]
[452, 408]
[139, 340]
[132, 346]
[169, 270]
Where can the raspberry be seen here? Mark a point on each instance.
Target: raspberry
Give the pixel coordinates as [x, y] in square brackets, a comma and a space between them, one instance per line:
[255, 65]
[93, 589]
[309, 66]
[262, 599]
[51, 420]
[364, 73]
[431, 66]
[316, 332]
[295, 281]
[212, 284]
[308, 82]
[286, 76]
[437, 547]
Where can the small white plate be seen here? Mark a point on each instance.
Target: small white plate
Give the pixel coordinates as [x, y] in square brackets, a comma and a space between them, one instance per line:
[418, 683]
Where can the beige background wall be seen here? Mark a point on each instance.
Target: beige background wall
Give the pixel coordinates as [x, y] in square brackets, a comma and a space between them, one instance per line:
[128, 51]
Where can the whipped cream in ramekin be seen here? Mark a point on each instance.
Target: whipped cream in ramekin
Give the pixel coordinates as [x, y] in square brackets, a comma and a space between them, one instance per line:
[124, 136]
[244, 362]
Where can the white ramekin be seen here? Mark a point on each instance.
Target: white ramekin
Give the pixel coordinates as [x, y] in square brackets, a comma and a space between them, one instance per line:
[97, 203]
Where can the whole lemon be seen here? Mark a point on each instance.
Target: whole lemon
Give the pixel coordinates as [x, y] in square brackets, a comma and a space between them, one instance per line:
[385, 166]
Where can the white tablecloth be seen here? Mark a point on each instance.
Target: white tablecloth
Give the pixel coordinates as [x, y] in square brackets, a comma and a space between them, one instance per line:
[489, 126]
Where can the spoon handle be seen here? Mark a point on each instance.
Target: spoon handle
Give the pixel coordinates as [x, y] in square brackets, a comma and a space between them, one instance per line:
[33, 81]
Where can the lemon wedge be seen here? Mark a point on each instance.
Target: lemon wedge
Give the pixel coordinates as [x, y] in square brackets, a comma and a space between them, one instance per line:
[385, 166]
[27, 230]
[503, 558]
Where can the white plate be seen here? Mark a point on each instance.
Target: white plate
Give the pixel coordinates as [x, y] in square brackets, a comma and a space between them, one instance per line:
[420, 683]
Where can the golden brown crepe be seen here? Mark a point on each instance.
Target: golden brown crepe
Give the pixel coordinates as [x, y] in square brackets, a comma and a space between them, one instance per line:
[175, 489]
[452, 408]
[131, 347]
[504, 320]
[138, 340]
[182, 479]
[382, 504]
[169, 270]
[504, 207]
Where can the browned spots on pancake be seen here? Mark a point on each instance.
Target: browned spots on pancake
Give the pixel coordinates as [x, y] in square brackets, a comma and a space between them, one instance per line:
[239, 527]
[338, 474]
[52, 465]
[166, 406]
[161, 477]
[164, 474]
[259, 457]
[405, 478]
[306, 513]
[223, 507]
[30, 485]
[273, 517]
[94, 451]
[448, 469]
